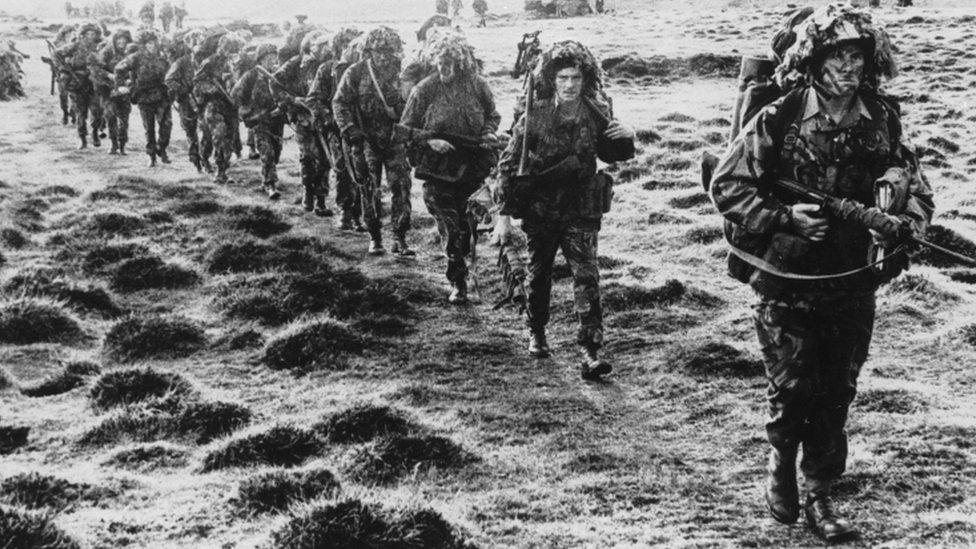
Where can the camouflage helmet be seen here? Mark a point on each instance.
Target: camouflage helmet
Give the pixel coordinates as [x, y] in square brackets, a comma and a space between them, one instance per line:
[311, 40]
[90, 27]
[230, 44]
[342, 39]
[829, 27]
[450, 43]
[563, 55]
[383, 38]
[123, 33]
[147, 36]
[265, 50]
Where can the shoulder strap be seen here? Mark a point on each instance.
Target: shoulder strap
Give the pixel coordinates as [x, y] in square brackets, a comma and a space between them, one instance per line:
[785, 124]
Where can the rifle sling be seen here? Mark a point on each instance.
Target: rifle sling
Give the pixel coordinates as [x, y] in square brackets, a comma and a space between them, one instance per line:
[766, 267]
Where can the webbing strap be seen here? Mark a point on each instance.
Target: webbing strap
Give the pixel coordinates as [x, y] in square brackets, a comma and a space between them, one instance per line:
[766, 267]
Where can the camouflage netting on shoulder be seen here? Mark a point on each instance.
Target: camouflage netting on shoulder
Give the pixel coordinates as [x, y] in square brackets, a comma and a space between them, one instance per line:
[828, 27]
[562, 55]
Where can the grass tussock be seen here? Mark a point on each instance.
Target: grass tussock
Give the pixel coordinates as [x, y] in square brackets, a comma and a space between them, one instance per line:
[170, 418]
[136, 384]
[239, 341]
[40, 282]
[146, 272]
[19, 528]
[948, 238]
[57, 190]
[246, 255]
[391, 459]
[917, 286]
[692, 200]
[70, 377]
[256, 220]
[37, 491]
[12, 437]
[621, 297]
[713, 359]
[894, 401]
[6, 382]
[27, 320]
[351, 523]
[364, 423]
[149, 457]
[13, 239]
[281, 446]
[108, 224]
[139, 338]
[103, 256]
[277, 490]
[312, 345]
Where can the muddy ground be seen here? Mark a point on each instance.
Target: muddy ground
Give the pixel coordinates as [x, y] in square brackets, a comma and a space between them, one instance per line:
[177, 386]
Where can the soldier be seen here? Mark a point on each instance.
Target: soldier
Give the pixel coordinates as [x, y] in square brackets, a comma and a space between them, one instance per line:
[366, 107]
[252, 95]
[568, 128]
[441, 7]
[456, 6]
[455, 100]
[10, 73]
[115, 106]
[147, 14]
[166, 15]
[319, 100]
[145, 72]
[66, 35]
[217, 107]
[179, 85]
[835, 132]
[180, 13]
[297, 74]
[79, 56]
[481, 9]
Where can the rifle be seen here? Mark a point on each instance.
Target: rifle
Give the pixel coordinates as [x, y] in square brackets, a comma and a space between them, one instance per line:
[529, 103]
[404, 133]
[54, 76]
[299, 102]
[528, 39]
[868, 217]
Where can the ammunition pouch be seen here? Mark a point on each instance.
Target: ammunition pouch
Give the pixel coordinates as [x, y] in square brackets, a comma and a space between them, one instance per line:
[521, 191]
[431, 165]
[149, 96]
[596, 195]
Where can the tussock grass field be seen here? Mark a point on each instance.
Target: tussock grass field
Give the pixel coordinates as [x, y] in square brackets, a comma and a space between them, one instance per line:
[190, 365]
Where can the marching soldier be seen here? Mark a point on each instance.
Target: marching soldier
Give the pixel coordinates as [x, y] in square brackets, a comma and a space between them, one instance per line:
[179, 85]
[115, 106]
[145, 72]
[166, 14]
[252, 94]
[366, 106]
[833, 131]
[219, 114]
[551, 183]
[79, 56]
[455, 100]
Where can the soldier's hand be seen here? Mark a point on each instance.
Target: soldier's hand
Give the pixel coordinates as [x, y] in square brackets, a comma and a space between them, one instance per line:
[616, 130]
[807, 221]
[439, 145]
[502, 231]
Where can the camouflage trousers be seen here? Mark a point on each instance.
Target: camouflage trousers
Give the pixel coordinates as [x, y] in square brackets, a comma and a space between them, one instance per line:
[448, 204]
[117, 111]
[188, 121]
[267, 140]
[157, 117]
[578, 241]
[346, 194]
[219, 127]
[312, 160]
[372, 161]
[85, 103]
[813, 348]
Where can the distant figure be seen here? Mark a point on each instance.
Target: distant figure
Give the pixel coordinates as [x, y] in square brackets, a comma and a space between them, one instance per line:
[456, 6]
[147, 14]
[904, 3]
[166, 14]
[600, 6]
[441, 7]
[180, 13]
[481, 8]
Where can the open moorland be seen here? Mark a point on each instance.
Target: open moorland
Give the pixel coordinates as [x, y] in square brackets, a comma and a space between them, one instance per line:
[190, 365]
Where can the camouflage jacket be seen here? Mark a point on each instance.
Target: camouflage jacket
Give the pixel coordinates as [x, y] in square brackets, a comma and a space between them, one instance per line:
[210, 82]
[179, 77]
[552, 138]
[320, 93]
[146, 75]
[842, 158]
[464, 106]
[78, 57]
[297, 75]
[254, 99]
[357, 103]
[102, 69]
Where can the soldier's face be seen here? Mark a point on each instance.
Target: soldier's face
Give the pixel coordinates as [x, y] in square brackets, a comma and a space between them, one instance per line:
[269, 62]
[569, 84]
[446, 68]
[842, 70]
[89, 36]
[152, 47]
[121, 42]
[384, 57]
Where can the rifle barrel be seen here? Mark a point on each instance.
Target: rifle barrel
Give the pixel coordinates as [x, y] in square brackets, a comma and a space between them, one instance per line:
[964, 259]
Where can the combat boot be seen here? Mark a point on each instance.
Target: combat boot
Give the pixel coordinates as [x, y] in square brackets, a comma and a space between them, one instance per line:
[96, 141]
[459, 292]
[593, 366]
[272, 191]
[163, 157]
[376, 247]
[252, 155]
[538, 346]
[122, 148]
[345, 221]
[400, 247]
[321, 209]
[822, 518]
[115, 149]
[308, 200]
[205, 164]
[196, 164]
[84, 142]
[358, 225]
[782, 494]
[152, 160]
[64, 119]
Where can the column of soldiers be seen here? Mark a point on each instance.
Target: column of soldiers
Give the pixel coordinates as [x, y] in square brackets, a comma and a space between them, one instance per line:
[359, 112]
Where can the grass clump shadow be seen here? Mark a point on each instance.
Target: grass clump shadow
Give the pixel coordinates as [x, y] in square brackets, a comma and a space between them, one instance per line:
[317, 344]
[107, 224]
[146, 272]
[71, 376]
[364, 423]
[36, 491]
[149, 457]
[352, 523]
[282, 446]
[13, 239]
[169, 418]
[124, 387]
[103, 256]
[277, 490]
[621, 297]
[19, 528]
[138, 338]
[256, 220]
[12, 437]
[40, 282]
[27, 320]
[246, 255]
[390, 459]
[712, 359]
[894, 401]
